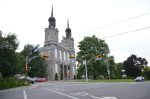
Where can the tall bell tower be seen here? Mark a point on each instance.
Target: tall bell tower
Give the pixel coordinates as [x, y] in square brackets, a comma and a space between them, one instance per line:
[51, 33]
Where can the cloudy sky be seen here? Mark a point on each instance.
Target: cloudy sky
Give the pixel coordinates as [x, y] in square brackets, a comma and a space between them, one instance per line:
[123, 24]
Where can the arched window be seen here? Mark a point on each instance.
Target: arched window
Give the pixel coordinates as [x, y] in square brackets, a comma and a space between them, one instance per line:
[64, 56]
[56, 68]
[60, 55]
[68, 57]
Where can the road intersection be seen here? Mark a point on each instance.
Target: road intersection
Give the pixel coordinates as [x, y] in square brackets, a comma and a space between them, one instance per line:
[71, 90]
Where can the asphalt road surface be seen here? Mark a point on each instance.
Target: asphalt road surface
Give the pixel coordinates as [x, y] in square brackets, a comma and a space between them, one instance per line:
[70, 90]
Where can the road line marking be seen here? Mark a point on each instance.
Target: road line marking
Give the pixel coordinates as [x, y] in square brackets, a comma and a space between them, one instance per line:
[60, 93]
[94, 97]
[24, 94]
[79, 94]
[102, 97]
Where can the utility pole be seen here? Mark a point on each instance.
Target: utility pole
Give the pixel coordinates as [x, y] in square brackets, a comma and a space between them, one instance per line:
[84, 62]
[26, 69]
[108, 70]
[28, 60]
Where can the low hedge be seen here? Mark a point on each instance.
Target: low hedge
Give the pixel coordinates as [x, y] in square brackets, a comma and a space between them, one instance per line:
[11, 83]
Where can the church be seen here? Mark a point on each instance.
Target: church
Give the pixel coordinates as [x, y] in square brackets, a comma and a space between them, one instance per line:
[61, 63]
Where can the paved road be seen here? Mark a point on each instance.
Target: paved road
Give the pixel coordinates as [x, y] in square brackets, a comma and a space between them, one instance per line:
[68, 90]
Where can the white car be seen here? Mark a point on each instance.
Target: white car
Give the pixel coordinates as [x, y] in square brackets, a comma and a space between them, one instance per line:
[138, 79]
[31, 80]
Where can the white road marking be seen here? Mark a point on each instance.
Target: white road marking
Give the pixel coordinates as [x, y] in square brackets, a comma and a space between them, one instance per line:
[24, 94]
[83, 94]
[60, 89]
[102, 97]
[60, 93]
[80, 94]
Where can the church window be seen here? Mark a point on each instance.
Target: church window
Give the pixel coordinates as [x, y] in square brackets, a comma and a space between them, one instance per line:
[60, 55]
[64, 56]
[56, 68]
[55, 53]
[68, 57]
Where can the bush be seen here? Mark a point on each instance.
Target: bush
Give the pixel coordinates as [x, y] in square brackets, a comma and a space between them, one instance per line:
[11, 83]
[130, 77]
[56, 76]
[61, 77]
[74, 77]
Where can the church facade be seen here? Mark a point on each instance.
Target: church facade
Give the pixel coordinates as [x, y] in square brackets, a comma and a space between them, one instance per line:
[61, 62]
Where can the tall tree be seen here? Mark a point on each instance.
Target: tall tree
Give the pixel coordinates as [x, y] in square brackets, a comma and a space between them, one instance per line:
[146, 72]
[117, 70]
[37, 67]
[134, 65]
[111, 66]
[89, 48]
[8, 55]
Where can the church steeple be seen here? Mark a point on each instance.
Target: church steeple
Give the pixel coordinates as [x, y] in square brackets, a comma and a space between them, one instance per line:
[68, 30]
[67, 23]
[52, 20]
[52, 12]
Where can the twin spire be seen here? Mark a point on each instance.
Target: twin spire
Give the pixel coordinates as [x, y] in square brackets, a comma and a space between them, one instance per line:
[67, 23]
[52, 21]
[52, 12]
[68, 30]
[52, 24]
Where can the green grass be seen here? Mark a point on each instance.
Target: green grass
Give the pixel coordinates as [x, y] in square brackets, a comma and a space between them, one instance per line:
[106, 80]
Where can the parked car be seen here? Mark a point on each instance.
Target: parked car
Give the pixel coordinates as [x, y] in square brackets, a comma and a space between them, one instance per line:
[139, 79]
[31, 80]
[41, 79]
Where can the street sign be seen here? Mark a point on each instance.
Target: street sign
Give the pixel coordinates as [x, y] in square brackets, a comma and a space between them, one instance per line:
[71, 55]
[84, 62]
[98, 58]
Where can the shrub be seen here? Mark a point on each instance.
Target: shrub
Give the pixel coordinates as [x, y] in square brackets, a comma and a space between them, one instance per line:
[56, 76]
[11, 83]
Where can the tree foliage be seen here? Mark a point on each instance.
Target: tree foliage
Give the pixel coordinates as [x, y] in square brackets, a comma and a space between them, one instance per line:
[146, 73]
[117, 70]
[134, 65]
[8, 55]
[37, 67]
[89, 48]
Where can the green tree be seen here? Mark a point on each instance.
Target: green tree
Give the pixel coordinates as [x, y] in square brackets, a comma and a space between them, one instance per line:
[8, 55]
[20, 64]
[111, 66]
[37, 67]
[90, 47]
[117, 70]
[134, 65]
[146, 73]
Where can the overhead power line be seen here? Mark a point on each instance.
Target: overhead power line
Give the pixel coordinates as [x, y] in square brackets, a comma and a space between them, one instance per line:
[127, 32]
[118, 22]
[119, 34]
